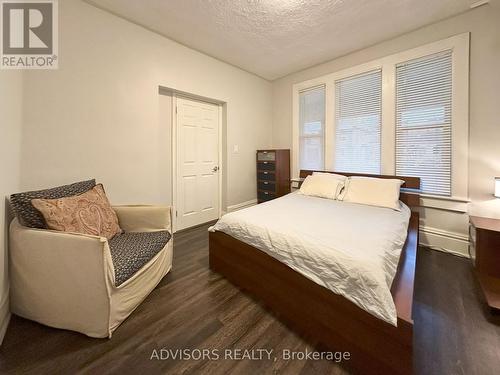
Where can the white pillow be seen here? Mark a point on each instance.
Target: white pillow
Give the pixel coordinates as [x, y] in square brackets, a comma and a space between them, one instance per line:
[380, 192]
[321, 185]
[337, 176]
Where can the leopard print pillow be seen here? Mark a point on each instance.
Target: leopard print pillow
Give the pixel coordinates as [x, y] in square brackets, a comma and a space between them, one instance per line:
[29, 216]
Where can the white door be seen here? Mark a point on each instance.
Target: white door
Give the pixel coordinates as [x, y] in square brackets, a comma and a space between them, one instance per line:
[197, 193]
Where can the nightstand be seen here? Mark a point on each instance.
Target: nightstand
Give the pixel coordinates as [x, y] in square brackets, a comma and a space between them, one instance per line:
[484, 250]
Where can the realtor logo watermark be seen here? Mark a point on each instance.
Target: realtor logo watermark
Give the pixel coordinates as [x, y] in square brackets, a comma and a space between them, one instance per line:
[29, 37]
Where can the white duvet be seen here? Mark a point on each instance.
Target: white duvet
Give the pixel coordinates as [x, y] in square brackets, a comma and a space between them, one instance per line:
[349, 248]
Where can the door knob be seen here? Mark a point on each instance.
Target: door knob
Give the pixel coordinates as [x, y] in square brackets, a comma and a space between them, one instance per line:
[215, 169]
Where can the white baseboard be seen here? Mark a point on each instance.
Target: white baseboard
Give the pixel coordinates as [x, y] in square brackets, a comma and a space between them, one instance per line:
[4, 317]
[239, 206]
[442, 240]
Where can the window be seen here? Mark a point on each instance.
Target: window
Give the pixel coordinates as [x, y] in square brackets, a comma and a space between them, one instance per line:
[358, 119]
[312, 128]
[402, 114]
[423, 121]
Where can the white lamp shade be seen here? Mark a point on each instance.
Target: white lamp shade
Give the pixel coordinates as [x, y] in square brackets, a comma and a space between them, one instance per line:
[497, 187]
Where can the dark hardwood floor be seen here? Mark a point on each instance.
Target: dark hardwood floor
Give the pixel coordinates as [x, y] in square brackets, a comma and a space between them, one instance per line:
[193, 308]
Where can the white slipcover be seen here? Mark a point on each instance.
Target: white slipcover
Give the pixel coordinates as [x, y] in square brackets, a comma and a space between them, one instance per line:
[66, 280]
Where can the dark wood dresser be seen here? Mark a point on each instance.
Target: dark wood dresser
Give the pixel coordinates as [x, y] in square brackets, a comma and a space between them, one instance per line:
[273, 174]
[484, 250]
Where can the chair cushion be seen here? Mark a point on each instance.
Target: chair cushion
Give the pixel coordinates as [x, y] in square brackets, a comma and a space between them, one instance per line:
[29, 216]
[131, 251]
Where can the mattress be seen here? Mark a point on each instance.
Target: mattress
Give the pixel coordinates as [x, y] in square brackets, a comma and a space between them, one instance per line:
[351, 249]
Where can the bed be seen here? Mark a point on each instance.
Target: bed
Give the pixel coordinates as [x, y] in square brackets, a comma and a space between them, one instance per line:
[338, 303]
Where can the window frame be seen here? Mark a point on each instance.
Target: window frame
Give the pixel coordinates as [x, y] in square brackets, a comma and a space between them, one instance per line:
[459, 44]
[445, 126]
[323, 125]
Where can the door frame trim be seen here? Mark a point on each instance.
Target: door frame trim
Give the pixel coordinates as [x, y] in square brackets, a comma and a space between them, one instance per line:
[175, 176]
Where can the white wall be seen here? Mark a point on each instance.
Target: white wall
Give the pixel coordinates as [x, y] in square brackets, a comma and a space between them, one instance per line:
[99, 114]
[442, 228]
[10, 142]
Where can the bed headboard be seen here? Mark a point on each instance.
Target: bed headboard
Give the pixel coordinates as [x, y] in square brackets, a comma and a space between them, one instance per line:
[409, 193]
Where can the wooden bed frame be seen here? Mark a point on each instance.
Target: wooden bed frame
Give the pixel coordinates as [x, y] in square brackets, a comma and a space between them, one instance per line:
[327, 320]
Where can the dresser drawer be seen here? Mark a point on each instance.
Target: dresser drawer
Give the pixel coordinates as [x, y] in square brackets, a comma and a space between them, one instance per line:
[265, 185]
[266, 156]
[266, 176]
[265, 166]
[265, 196]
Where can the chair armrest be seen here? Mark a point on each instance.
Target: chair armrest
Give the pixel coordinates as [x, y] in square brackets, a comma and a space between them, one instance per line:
[49, 247]
[33, 238]
[144, 218]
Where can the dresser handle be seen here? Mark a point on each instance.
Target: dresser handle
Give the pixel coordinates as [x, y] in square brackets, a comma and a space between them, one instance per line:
[265, 182]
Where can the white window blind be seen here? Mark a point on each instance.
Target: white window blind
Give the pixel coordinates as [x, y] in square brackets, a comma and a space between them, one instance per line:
[423, 121]
[358, 114]
[312, 128]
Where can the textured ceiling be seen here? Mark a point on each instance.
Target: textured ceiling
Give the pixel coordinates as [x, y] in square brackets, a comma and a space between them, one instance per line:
[273, 38]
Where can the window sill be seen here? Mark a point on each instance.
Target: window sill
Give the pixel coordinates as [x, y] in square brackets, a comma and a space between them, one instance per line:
[443, 198]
